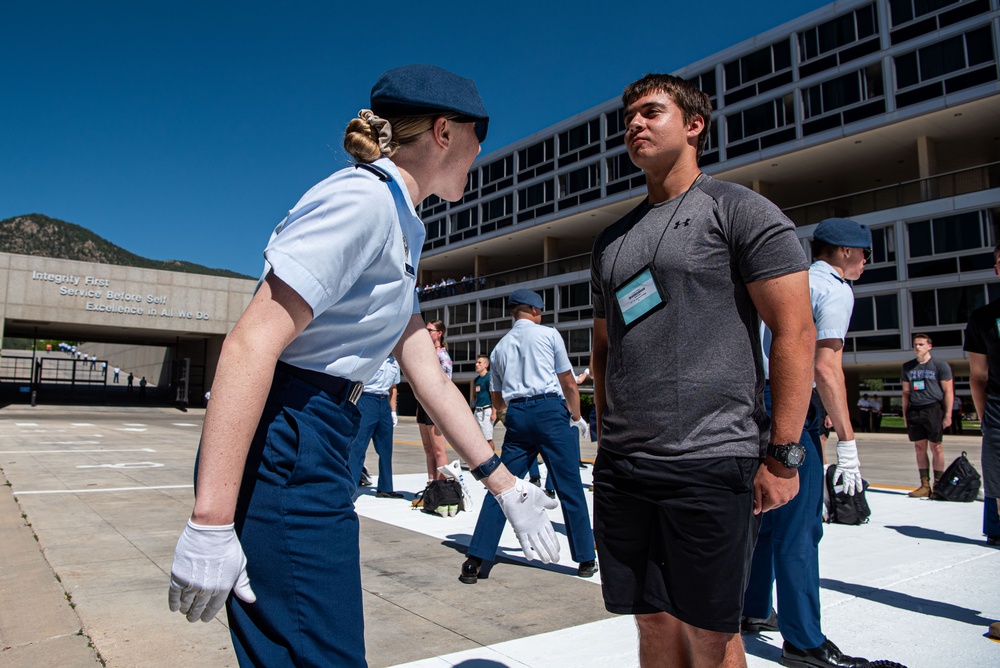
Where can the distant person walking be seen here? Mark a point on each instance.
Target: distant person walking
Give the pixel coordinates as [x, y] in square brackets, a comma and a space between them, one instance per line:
[117, 371]
[142, 388]
[130, 379]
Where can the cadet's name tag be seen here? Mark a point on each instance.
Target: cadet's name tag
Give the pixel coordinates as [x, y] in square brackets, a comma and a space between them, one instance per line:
[918, 385]
[639, 297]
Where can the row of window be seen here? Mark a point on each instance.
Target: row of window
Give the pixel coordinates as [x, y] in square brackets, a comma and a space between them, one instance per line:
[937, 69]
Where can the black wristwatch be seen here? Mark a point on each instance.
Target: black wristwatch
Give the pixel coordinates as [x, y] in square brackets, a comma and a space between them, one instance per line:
[486, 468]
[790, 455]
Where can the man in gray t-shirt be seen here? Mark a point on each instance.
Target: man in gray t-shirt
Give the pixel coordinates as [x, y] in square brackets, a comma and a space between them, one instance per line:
[678, 286]
[928, 394]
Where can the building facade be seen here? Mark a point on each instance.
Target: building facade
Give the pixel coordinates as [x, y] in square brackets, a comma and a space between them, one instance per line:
[887, 112]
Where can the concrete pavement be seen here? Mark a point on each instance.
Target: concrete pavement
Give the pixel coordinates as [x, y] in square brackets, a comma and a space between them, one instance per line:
[107, 491]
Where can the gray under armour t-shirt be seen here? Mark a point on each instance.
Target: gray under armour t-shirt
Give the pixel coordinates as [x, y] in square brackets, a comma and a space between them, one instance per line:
[686, 382]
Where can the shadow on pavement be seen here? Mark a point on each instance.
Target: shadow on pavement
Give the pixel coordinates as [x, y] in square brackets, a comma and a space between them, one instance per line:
[933, 534]
[906, 602]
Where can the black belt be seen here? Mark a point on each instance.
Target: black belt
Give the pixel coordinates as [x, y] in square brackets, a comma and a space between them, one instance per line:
[340, 389]
[375, 394]
[547, 395]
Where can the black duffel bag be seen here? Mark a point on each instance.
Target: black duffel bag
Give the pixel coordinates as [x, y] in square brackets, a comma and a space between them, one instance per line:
[959, 482]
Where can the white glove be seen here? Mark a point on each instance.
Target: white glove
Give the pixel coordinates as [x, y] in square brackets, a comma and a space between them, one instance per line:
[395, 419]
[848, 467]
[525, 506]
[582, 425]
[208, 564]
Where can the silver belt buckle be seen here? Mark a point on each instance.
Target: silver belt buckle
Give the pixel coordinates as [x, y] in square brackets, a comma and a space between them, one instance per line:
[355, 392]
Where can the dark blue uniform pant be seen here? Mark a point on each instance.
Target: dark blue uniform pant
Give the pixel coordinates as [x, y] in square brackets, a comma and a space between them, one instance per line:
[296, 521]
[376, 425]
[787, 550]
[533, 426]
[991, 518]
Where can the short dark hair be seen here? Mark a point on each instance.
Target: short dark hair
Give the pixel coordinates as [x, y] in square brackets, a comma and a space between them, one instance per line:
[484, 357]
[918, 335]
[690, 99]
[820, 248]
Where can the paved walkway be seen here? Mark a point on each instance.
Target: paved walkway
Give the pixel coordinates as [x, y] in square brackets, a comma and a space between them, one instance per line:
[96, 499]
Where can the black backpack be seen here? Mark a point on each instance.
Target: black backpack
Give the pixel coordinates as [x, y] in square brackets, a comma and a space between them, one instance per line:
[959, 482]
[441, 493]
[844, 509]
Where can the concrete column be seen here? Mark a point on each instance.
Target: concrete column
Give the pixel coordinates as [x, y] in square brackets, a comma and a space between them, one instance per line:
[761, 188]
[481, 265]
[927, 164]
[550, 251]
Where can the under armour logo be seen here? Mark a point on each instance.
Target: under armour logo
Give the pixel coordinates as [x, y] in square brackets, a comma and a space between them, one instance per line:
[684, 222]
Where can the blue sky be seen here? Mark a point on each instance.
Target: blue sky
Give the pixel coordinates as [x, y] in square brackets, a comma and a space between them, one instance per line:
[185, 130]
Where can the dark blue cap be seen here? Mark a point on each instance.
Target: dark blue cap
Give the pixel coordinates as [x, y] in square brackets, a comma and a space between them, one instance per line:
[425, 90]
[526, 297]
[843, 232]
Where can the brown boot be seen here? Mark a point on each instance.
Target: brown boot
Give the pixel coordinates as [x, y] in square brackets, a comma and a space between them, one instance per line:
[923, 491]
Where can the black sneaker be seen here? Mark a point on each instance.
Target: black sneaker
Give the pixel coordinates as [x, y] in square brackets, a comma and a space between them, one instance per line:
[826, 655]
[535, 480]
[470, 571]
[388, 495]
[993, 540]
[587, 569]
[750, 625]
[551, 493]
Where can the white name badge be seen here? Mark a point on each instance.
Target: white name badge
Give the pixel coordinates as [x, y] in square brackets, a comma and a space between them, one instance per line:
[639, 297]
[918, 385]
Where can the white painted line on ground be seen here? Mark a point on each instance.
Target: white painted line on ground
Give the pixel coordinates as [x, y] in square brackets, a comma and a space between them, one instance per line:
[51, 452]
[133, 424]
[122, 465]
[184, 424]
[131, 429]
[25, 424]
[105, 489]
[68, 442]
[81, 424]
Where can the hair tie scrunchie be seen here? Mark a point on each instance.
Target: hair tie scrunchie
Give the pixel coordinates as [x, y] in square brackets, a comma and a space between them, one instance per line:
[380, 126]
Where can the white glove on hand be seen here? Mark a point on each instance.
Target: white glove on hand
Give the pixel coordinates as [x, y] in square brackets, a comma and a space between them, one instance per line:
[208, 564]
[848, 467]
[582, 425]
[525, 506]
[395, 419]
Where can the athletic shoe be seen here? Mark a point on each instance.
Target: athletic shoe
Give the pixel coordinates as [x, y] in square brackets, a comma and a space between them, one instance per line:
[993, 540]
[826, 655]
[388, 495]
[750, 625]
[470, 571]
[587, 569]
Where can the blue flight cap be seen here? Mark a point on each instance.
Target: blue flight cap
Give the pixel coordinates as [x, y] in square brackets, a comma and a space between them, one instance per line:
[526, 297]
[843, 232]
[424, 90]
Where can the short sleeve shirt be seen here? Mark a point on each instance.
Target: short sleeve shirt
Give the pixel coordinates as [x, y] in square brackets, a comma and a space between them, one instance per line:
[350, 249]
[687, 381]
[482, 387]
[832, 301]
[925, 381]
[527, 360]
[982, 335]
[383, 380]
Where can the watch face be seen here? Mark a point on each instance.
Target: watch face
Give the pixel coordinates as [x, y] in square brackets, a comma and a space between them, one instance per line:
[796, 454]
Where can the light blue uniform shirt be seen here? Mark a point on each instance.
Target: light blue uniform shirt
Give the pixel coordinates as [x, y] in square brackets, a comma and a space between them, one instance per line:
[383, 380]
[832, 305]
[350, 249]
[832, 301]
[526, 361]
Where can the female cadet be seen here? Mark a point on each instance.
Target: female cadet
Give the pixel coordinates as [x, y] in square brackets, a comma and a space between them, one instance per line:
[273, 520]
[430, 436]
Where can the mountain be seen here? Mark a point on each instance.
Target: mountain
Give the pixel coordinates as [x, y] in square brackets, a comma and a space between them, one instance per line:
[35, 234]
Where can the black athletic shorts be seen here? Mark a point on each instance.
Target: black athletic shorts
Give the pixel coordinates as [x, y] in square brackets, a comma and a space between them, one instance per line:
[423, 417]
[676, 537]
[924, 423]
